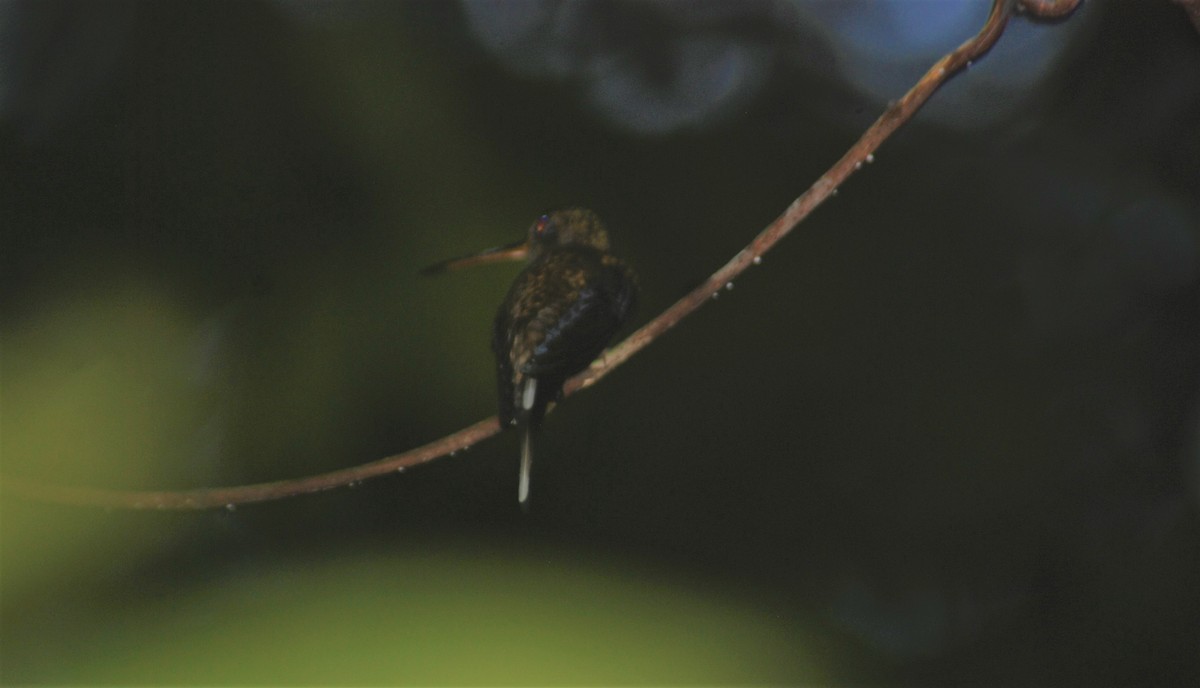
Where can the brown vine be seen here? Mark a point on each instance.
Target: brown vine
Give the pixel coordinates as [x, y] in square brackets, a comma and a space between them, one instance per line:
[896, 114]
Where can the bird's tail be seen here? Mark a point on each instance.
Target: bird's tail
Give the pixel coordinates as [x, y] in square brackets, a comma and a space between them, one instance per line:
[526, 465]
[527, 401]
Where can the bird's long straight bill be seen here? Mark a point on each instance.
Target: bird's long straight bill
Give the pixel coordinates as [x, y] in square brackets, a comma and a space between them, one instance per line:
[500, 254]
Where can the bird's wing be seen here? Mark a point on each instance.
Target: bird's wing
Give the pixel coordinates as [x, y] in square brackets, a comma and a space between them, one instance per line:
[575, 335]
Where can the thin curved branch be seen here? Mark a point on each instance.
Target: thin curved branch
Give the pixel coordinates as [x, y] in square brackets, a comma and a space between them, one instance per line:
[896, 114]
[209, 498]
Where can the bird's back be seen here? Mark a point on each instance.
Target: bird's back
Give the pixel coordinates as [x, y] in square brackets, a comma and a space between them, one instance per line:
[560, 313]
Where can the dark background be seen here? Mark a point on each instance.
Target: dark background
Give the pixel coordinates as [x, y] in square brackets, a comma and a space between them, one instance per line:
[945, 433]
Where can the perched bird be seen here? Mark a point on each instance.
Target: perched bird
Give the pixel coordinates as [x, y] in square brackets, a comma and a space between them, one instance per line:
[559, 314]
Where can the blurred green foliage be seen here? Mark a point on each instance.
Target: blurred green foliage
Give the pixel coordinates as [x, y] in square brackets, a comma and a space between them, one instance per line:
[451, 613]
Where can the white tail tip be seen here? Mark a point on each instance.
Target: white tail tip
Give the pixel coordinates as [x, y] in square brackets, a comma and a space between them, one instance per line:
[529, 393]
[526, 464]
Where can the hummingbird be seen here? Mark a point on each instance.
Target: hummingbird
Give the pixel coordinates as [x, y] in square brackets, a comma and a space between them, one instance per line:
[559, 314]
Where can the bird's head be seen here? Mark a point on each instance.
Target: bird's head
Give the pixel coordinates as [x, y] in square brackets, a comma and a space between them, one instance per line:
[557, 228]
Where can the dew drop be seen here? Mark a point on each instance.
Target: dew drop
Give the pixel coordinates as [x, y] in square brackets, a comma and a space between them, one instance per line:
[400, 469]
[231, 507]
[757, 260]
[728, 286]
[454, 452]
[716, 295]
[870, 158]
[858, 165]
[833, 193]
